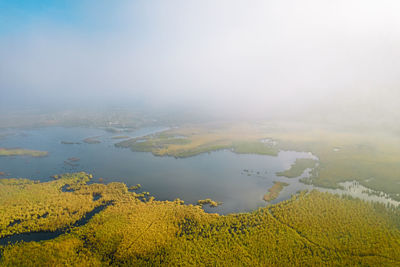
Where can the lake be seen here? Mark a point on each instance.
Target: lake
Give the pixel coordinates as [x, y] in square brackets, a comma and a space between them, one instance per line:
[237, 180]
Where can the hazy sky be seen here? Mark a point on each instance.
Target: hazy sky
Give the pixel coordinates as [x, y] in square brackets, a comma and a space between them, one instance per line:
[230, 56]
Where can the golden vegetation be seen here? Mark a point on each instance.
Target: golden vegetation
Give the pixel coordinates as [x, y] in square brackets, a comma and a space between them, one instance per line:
[274, 191]
[27, 206]
[8, 152]
[208, 201]
[344, 226]
[193, 140]
[309, 229]
[135, 187]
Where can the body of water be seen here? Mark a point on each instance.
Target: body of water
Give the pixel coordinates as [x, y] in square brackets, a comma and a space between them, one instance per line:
[237, 180]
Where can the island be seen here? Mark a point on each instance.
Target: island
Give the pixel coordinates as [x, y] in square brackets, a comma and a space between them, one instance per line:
[8, 152]
[92, 140]
[194, 140]
[208, 201]
[274, 191]
[70, 143]
[135, 187]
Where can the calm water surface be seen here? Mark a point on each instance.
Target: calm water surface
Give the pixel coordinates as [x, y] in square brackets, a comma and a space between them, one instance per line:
[239, 181]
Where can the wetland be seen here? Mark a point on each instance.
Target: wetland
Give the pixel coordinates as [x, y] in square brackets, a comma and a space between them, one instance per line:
[227, 173]
[217, 175]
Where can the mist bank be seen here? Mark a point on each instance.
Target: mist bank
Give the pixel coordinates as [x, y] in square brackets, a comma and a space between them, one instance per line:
[125, 116]
[314, 60]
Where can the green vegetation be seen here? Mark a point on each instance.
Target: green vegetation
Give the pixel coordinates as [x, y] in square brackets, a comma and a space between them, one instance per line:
[209, 201]
[298, 168]
[8, 152]
[274, 191]
[309, 229]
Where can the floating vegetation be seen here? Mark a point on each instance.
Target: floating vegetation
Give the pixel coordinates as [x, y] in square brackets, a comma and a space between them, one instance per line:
[274, 191]
[135, 187]
[208, 201]
[7, 152]
[70, 143]
[92, 140]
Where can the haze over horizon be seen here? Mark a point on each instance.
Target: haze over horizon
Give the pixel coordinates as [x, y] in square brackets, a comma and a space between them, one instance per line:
[229, 57]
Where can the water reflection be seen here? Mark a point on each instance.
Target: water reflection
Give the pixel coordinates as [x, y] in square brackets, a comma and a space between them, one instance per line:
[237, 180]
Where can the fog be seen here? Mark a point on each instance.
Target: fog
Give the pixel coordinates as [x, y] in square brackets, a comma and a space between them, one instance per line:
[228, 57]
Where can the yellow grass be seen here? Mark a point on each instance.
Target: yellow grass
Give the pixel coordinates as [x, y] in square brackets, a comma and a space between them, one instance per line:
[8, 152]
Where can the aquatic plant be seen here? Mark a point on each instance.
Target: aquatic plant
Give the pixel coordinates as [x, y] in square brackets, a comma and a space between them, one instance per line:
[208, 201]
[8, 152]
[274, 191]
